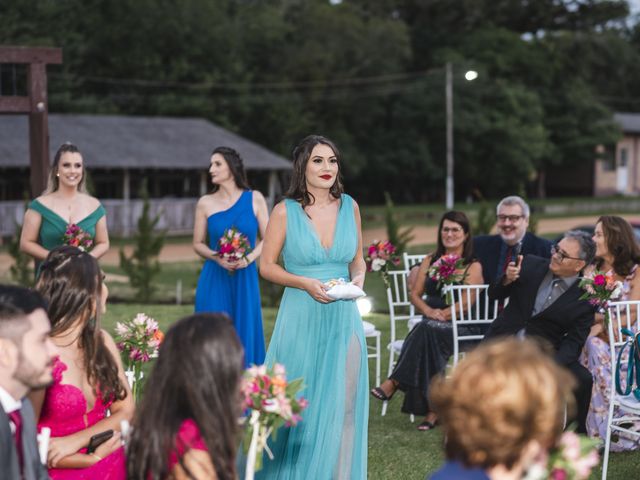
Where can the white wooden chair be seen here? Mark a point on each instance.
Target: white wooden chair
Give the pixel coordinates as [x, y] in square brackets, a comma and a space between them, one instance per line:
[409, 261]
[412, 259]
[399, 311]
[471, 306]
[622, 315]
[373, 351]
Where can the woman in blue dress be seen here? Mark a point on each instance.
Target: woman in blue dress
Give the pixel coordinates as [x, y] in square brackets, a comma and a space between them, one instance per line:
[224, 285]
[317, 230]
[65, 201]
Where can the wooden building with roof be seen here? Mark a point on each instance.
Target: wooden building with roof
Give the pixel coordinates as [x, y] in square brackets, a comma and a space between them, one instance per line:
[172, 154]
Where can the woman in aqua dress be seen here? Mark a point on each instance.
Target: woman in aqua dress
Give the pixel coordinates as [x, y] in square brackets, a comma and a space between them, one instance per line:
[231, 286]
[65, 201]
[317, 230]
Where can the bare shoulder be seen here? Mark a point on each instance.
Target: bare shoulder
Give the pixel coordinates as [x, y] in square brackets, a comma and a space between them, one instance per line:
[46, 200]
[279, 211]
[91, 202]
[258, 196]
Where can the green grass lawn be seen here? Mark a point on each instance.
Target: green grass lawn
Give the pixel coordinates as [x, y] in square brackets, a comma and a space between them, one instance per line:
[396, 449]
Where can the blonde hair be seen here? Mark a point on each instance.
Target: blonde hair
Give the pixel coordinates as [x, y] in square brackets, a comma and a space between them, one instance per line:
[502, 396]
[53, 182]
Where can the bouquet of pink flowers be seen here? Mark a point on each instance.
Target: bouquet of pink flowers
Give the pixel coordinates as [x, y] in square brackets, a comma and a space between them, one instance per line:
[233, 246]
[600, 288]
[573, 458]
[77, 237]
[378, 256]
[273, 403]
[138, 340]
[444, 271]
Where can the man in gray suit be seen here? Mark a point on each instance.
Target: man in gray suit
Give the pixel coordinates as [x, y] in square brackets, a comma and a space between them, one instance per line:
[26, 360]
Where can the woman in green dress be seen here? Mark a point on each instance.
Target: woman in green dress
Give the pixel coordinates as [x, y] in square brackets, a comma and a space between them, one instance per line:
[63, 203]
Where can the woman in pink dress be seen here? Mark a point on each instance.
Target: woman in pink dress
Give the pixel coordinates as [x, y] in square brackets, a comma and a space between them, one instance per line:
[187, 423]
[89, 380]
[616, 252]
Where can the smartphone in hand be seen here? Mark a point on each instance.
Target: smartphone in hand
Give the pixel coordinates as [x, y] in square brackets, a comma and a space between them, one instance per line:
[98, 439]
[515, 253]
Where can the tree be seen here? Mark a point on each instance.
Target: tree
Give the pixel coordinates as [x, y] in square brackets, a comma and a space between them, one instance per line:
[142, 266]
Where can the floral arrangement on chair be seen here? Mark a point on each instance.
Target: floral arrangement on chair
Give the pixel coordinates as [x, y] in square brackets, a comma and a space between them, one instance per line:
[444, 271]
[573, 458]
[600, 288]
[233, 246]
[77, 237]
[272, 403]
[138, 340]
[379, 255]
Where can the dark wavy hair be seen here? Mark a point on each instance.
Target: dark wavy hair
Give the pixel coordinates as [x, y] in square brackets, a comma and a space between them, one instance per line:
[197, 376]
[52, 182]
[301, 154]
[621, 243]
[71, 283]
[236, 165]
[461, 219]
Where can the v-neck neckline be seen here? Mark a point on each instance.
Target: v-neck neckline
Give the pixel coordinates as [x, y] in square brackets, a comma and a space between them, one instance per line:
[69, 222]
[315, 231]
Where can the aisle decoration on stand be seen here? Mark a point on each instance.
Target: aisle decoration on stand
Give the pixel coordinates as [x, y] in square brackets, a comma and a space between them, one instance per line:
[77, 237]
[601, 288]
[271, 403]
[378, 257]
[233, 246]
[444, 271]
[138, 340]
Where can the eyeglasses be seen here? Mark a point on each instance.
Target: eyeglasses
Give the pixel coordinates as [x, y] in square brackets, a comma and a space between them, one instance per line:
[451, 230]
[511, 218]
[555, 250]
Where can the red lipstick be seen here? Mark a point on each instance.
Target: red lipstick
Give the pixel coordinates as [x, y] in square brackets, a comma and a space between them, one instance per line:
[326, 177]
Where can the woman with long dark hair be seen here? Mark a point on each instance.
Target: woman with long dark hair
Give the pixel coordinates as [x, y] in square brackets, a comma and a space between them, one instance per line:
[429, 345]
[317, 230]
[187, 426]
[65, 201]
[617, 252]
[225, 285]
[89, 380]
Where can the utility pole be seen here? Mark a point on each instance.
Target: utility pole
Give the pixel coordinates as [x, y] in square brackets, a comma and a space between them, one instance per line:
[449, 101]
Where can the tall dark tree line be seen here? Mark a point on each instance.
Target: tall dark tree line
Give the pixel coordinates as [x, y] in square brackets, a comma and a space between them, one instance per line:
[368, 74]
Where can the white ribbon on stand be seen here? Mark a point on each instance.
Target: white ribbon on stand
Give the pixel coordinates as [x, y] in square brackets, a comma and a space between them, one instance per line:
[258, 443]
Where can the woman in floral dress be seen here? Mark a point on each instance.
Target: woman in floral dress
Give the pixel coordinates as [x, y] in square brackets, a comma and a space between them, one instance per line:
[616, 252]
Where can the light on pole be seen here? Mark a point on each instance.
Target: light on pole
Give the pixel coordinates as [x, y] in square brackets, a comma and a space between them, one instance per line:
[470, 75]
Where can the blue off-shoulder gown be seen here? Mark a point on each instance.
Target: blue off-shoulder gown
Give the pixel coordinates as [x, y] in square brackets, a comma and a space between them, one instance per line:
[324, 344]
[237, 295]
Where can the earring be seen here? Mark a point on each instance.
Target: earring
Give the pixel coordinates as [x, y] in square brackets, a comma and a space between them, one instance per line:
[57, 174]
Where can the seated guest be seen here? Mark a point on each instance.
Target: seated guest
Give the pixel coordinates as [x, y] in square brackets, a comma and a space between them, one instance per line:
[495, 252]
[26, 358]
[88, 378]
[429, 345]
[502, 407]
[544, 301]
[187, 426]
[616, 252]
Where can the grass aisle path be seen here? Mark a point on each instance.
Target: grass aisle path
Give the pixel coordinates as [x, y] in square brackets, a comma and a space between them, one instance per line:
[396, 449]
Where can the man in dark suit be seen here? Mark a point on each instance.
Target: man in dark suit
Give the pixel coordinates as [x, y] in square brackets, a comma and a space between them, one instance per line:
[495, 252]
[544, 302]
[26, 360]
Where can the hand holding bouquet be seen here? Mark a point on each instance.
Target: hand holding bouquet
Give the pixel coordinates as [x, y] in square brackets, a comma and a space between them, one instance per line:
[233, 246]
[138, 340]
[444, 271]
[77, 237]
[600, 288]
[272, 402]
[379, 254]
